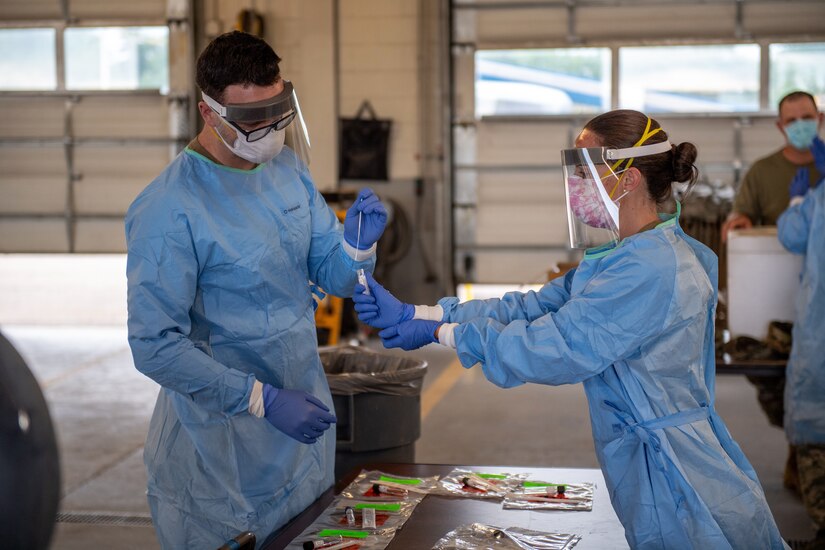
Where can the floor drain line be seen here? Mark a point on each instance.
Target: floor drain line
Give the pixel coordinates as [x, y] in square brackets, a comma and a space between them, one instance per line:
[105, 518]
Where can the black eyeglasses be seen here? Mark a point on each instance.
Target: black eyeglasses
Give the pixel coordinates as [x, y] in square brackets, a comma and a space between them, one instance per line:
[263, 131]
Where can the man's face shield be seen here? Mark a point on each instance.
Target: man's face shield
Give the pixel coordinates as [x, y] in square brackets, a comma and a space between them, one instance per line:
[254, 121]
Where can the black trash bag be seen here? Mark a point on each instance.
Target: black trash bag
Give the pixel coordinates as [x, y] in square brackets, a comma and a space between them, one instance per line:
[364, 146]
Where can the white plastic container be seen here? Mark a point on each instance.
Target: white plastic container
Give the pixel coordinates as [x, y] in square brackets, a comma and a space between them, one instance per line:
[763, 281]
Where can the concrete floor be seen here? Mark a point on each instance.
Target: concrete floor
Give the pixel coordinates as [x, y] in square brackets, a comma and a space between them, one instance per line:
[101, 408]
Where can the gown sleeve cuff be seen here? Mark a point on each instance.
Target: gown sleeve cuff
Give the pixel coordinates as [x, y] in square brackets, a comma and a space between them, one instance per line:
[429, 313]
[797, 200]
[446, 336]
[358, 255]
[256, 400]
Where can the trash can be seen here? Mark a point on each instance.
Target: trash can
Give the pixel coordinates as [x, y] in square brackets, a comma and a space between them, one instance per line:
[377, 399]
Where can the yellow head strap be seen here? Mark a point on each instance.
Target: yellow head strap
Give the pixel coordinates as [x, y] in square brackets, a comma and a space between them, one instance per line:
[647, 134]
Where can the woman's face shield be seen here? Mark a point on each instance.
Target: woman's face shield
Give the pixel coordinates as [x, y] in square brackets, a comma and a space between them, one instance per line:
[592, 216]
[256, 120]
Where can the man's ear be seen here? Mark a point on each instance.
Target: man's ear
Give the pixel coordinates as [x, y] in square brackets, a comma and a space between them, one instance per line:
[781, 128]
[207, 114]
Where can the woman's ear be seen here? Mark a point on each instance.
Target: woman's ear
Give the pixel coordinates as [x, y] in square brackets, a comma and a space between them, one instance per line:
[631, 180]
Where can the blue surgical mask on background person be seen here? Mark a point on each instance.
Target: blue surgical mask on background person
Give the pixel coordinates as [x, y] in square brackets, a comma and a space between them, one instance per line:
[801, 133]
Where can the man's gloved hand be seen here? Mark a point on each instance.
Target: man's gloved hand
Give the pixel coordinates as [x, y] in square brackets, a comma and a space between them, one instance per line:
[818, 149]
[410, 335]
[298, 414]
[380, 309]
[799, 183]
[373, 220]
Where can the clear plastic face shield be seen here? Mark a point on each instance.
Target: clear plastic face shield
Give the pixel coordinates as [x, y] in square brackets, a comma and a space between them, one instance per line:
[256, 131]
[591, 183]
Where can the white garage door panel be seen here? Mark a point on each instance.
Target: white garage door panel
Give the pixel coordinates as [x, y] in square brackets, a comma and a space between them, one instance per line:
[519, 25]
[521, 187]
[133, 161]
[464, 72]
[31, 117]
[760, 139]
[796, 17]
[524, 267]
[672, 21]
[522, 224]
[102, 9]
[100, 236]
[32, 161]
[30, 9]
[111, 196]
[713, 138]
[29, 235]
[525, 144]
[140, 117]
[32, 194]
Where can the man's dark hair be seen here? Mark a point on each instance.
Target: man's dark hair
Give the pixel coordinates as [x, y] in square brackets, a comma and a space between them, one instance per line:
[236, 58]
[796, 95]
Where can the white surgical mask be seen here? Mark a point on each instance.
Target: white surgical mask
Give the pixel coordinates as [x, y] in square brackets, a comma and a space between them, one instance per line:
[260, 151]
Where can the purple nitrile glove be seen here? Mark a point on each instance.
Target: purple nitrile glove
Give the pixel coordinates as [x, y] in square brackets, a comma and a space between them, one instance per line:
[299, 415]
[379, 308]
[373, 220]
[799, 183]
[410, 335]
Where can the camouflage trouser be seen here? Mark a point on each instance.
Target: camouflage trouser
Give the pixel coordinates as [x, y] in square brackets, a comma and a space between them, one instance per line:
[770, 391]
[811, 463]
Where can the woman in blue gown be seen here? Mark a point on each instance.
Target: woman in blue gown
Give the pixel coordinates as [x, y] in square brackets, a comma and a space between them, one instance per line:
[634, 323]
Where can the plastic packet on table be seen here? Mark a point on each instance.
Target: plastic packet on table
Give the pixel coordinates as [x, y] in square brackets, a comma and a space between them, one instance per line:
[479, 536]
[542, 495]
[471, 484]
[346, 513]
[372, 485]
[322, 537]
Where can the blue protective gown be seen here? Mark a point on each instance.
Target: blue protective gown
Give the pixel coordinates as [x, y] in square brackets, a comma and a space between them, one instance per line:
[634, 323]
[801, 230]
[218, 267]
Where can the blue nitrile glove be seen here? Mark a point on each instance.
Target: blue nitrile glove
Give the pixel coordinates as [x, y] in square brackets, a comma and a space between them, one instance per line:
[373, 220]
[818, 149]
[298, 414]
[380, 309]
[799, 183]
[410, 335]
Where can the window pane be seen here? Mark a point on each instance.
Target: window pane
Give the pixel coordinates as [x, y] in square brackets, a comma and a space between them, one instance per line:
[797, 67]
[684, 79]
[542, 82]
[28, 59]
[117, 58]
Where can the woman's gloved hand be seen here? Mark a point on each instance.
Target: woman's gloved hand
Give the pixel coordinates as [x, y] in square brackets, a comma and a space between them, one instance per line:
[373, 220]
[410, 335]
[298, 414]
[799, 183]
[379, 308]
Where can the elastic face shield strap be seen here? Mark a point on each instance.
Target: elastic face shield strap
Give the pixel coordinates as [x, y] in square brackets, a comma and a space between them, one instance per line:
[612, 209]
[274, 107]
[639, 152]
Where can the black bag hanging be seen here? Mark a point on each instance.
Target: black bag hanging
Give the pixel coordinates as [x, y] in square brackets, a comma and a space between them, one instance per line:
[364, 146]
